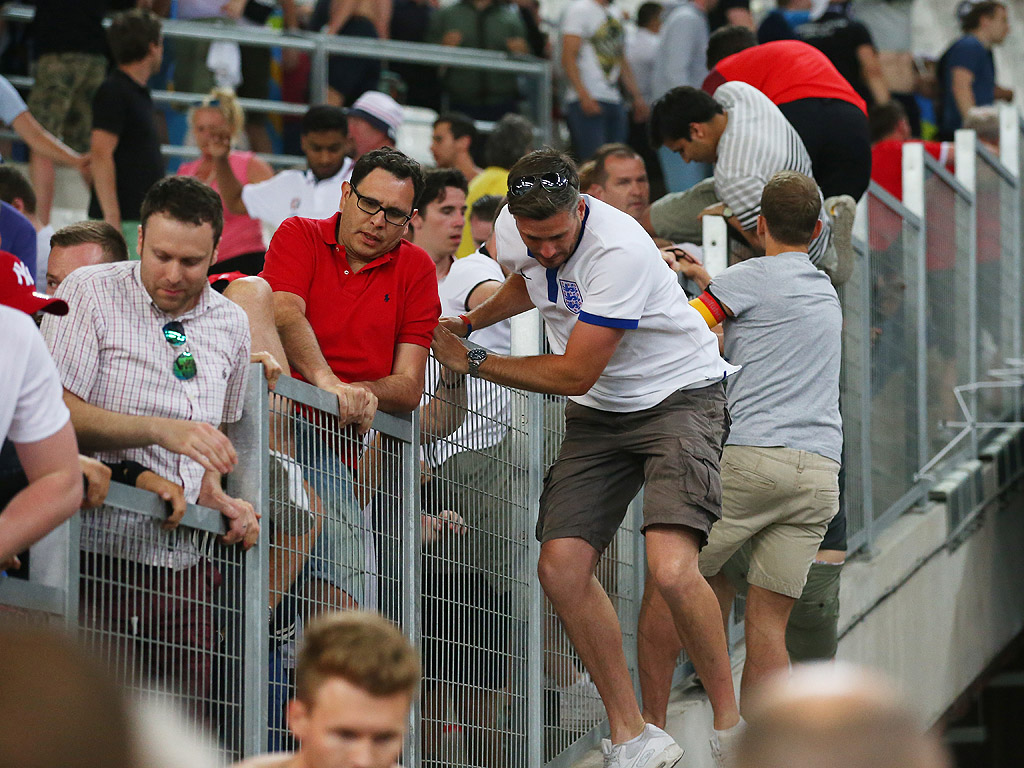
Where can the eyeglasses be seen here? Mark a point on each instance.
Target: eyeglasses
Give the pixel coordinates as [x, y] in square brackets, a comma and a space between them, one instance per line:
[394, 216]
[184, 364]
[552, 182]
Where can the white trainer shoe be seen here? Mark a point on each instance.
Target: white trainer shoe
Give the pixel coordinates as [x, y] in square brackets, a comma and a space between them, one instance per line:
[651, 749]
[841, 209]
[579, 705]
[724, 743]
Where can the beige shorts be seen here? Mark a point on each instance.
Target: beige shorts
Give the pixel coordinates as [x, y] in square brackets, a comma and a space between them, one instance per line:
[780, 500]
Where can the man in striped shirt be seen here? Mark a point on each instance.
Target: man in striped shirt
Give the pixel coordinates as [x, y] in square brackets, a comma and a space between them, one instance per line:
[749, 140]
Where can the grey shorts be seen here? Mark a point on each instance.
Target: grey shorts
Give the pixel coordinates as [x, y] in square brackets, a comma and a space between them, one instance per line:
[672, 450]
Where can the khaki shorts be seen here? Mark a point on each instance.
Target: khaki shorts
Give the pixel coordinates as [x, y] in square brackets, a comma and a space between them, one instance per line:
[781, 500]
[61, 99]
[671, 449]
[812, 633]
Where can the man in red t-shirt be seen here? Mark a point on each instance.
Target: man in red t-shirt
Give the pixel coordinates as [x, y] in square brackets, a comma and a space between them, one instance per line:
[356, 306]
[819, 103]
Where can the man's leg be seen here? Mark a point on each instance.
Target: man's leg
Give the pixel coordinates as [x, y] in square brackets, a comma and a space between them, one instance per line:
[675, 216]
[672, 559]
[658, 648]
[765, 629]
[566, 571]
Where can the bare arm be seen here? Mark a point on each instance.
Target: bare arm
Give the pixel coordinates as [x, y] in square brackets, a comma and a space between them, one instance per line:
[382, 19]
[962, 82]
[43, 142]
[101, 430]
[640, 107]
[446, 410]
[400, 391]
[587, 353]
[570, 65]
[229, 185]
[871, 69]
[506, 301]
[53, 493]
[341, 12]
[102, 149]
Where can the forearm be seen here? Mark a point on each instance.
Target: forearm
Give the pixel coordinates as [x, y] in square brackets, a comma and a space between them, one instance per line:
[230, 187]
[101, 430]
[105, 183]
[341, 12]
[35, 511]
[572, 74]
[445, 411]
[510, 300]
[629, 82]
[396, 393]
[547, 374]
[878, 87]
[301, 346]
[43, 142]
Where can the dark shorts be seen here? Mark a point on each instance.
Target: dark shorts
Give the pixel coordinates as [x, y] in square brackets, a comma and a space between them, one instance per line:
[672, 449]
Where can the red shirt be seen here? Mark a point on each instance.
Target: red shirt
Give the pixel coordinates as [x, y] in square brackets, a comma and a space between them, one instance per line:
[784, 71]
[358, 317]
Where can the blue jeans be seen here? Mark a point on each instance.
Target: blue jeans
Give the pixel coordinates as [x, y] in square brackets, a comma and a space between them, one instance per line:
[590, 132]
[679, 174]
[339, 554]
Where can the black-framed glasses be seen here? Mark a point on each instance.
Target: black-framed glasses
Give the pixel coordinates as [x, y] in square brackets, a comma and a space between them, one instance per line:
[394, 216]
[552, 182]
[184, 364]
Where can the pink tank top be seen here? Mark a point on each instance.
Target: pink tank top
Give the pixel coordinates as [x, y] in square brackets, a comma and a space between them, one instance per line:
[241, 233]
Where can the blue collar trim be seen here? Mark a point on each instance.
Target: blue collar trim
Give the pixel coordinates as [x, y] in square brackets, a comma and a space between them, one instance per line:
[552, 273]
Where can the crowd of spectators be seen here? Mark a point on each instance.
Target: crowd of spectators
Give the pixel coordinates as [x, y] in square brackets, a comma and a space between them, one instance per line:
[337, 275]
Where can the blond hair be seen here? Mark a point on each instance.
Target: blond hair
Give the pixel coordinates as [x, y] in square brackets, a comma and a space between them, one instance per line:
[224, 101]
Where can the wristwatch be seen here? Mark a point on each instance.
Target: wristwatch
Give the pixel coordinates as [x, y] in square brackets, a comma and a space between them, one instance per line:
[727, 211]
[476, 356]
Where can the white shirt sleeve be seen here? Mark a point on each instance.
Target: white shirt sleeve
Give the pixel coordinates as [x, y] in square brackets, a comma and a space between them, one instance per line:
[11, 103]
[39, 411]
[610, 300]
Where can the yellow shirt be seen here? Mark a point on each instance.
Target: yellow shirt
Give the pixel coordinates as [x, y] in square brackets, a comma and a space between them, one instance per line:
[490, 181]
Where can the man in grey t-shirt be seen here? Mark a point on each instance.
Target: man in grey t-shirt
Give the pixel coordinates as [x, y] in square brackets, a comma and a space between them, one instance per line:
[780, 468]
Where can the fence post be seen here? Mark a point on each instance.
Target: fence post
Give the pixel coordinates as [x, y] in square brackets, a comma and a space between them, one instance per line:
[860, 331]
[1009, 155]
[318, 73]
[964, 144]
[527, 339]
[913, 199]
[716, 244]
[412, 582]
[250, 481]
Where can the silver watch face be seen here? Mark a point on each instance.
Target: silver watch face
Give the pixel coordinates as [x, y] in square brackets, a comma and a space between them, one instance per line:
[476, 355]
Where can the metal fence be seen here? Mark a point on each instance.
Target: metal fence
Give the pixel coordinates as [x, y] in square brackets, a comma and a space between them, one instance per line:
[433, 525]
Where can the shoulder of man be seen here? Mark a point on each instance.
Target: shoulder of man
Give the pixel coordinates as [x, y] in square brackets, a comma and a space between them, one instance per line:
[276, 760]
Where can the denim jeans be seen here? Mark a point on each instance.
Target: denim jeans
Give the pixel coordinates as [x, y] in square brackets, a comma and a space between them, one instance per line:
[590, 132]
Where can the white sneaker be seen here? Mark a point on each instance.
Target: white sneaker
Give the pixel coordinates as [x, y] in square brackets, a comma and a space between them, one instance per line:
[841, 209]
[651, 749]
[724, 743]
[579, 705]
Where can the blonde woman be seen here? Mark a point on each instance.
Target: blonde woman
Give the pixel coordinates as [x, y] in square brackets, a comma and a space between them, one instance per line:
[241, 246]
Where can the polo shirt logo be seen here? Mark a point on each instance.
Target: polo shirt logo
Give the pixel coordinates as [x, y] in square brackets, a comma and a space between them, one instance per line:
[296, 202]
[572, 296]
[387, 297]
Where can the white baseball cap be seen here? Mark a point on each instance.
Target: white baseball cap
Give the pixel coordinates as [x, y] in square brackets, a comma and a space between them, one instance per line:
[380, 110]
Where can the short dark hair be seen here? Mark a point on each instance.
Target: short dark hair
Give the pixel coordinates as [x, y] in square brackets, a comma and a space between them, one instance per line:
[647, 14]
[673, 113]
[106, 236]
[436, 181]
[791, 205]
[14, 186]
[971, 20]
[511, 138]
[360, 647]
[487, 207]
[461, 125]
[398, 164]
[184, 199]
[324, 117]
[131, 33]
[727, 41]
[599, 174]
[883, 119]
[539, 203]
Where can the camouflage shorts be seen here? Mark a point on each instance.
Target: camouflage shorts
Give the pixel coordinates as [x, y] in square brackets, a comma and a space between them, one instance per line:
[61, 99]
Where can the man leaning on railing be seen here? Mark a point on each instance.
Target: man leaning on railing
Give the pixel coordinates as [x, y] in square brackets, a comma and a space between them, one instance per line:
[152, 361]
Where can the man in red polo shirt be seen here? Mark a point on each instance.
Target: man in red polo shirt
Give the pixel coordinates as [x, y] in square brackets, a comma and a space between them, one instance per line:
[818, 102]
[356, 306]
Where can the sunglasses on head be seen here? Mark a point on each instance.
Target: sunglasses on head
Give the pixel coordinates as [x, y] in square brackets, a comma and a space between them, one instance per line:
[184, 364]
[552, 182]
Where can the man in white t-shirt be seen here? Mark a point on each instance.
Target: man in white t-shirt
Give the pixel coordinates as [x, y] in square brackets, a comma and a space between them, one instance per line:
[314, 193]
[647, 408]
[33, 416]
[594, 61]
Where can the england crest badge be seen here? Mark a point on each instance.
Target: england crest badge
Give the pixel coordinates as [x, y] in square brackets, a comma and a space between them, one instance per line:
[572, 296]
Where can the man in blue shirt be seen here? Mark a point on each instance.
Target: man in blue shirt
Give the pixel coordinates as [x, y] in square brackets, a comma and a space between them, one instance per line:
[967, 71]
[17, 235]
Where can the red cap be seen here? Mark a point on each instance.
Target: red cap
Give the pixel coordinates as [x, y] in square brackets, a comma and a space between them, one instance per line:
[17, 289]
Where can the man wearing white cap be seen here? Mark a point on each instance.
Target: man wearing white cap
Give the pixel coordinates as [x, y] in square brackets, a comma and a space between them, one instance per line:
[373, 123]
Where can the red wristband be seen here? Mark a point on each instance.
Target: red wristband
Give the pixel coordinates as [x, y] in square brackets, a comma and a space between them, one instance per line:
[469, 325]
